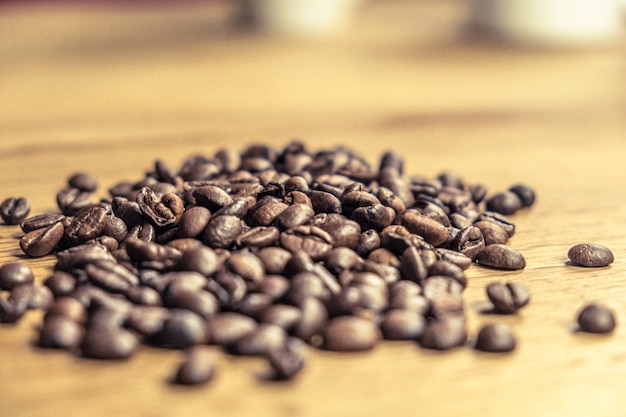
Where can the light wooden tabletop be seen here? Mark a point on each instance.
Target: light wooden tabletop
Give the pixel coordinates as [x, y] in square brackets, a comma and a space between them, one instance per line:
[109, 91]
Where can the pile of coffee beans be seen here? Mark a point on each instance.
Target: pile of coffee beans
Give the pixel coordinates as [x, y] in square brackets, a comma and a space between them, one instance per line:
[265, 252]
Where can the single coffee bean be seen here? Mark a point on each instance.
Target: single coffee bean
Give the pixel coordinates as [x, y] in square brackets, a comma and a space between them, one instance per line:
[375, 217]
[264, 338]
[41, 221]
[60, 283]
[104, 342]
[525, 193]
[506, 202]
[499, 219]
[60, 332]
[87, 224]
[508, 297]
[15, 273]
[111, 276]
[274, 259]
[399, 324]
[69, 307]
[212, 197]
[595, 318]
[350, 334]
[193, 221]
[77, 257]
[288, 360]
[197, 368]
[201, 259]
[492, 232]
[181, 329]
[41, 242]
[590, 254]
[222, 231]
[312, 240]
[14, 210]
[495, 338]
[282, 315]
[83, 182]
[72, 200]
[345, 232]
[258, 237]
[162, 209]
[469, 242]
[314, 318]
[501, 257]
[228, 327]
[444, 333]
[434, 232]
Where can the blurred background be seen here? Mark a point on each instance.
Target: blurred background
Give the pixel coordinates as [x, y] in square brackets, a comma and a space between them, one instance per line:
[275, 69]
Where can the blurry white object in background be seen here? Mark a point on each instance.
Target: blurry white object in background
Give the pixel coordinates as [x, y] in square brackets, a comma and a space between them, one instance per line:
[301, 18]
[550, 22]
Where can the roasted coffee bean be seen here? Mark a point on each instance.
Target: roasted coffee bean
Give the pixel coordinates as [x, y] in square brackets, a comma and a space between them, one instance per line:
[590, 255]
[506, 202]
[115, 228]
[72, 200]
[201, 259]
[501, 257]
[457, 258]
[34, 297]
[184, 244]
[228, 327]
[193, 221]
[434, 232]
[495, 338]
[368, 241]
[412, 265]
[264, 338]
[78, 256]
[200, 302]
[111, 276]
[197, 368]
[288, 360]
[14, 210]
[274, 259]
[276, 286]
[142, 250]
[307, 284]
[60, 283]
[41, 221]
[525, 194]
[350, 334]
[60, 332]
[222, 231]
[323, 202]
[375, 217]
[83, 182]
[313, 320]
[293, 216]
[345, 232]
[15, 273]
[258, 237]
[282, 315]
[212, 197]
[311, 240]
[444, 333]
[143, 295]
[507, 297]
[448, 269]
[492, 232]
[69, 307]
[163, 210]
[41, 242]
[499, 219]
[247, 266]
[147, 320]
[104, 342]
[354, 199]
[596, 318]
[399, 324]
[87, 224]
[180, 330]
[128, 211]
[469, 242]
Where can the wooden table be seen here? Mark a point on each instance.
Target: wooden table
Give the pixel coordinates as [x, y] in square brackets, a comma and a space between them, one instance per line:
[109, 90]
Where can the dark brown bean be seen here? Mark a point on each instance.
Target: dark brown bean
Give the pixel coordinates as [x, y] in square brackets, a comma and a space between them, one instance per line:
[596, 318]
[501, 257]
[14, 210]
[350, 334]
[590, 255]
[495, 338]
[197, 368]
[41, 242]
[507, 297]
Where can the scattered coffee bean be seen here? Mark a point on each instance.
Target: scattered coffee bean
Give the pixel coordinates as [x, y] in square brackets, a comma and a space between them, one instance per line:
[495, 338]
[15, 273]
[197, 368]
[590, 254]
[595, 318]
[501, 256]
[14, 210]
[508, 297]
[350, 334]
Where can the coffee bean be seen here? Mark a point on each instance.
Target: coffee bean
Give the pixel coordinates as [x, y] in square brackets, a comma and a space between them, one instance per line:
[60, 332]
[162, 209]
[197, 368]
[470, 242]
[193, 221]
[595, 318]
[495, 338]
[350, 334]
[72, 200]
[15, 273]
[258, 237]
[444, 333]
[507, 297]
[525, 194]
[274, 259]
[434, 232]
[222, 231]
[201, 259]
[14, 210]
[228, 327]
[311, 240]
[212, 197]
[83, 182]
[590, 255]
[501, 257]
[288, 360]
[41, 242]
[402, 325]
[492, 233]
[60, 283]
[181, 329]
[104, 342]
[41, 221]
[263, 339]
[506, 202]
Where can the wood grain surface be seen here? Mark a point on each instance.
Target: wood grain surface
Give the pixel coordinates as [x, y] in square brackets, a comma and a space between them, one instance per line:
[110, 90]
